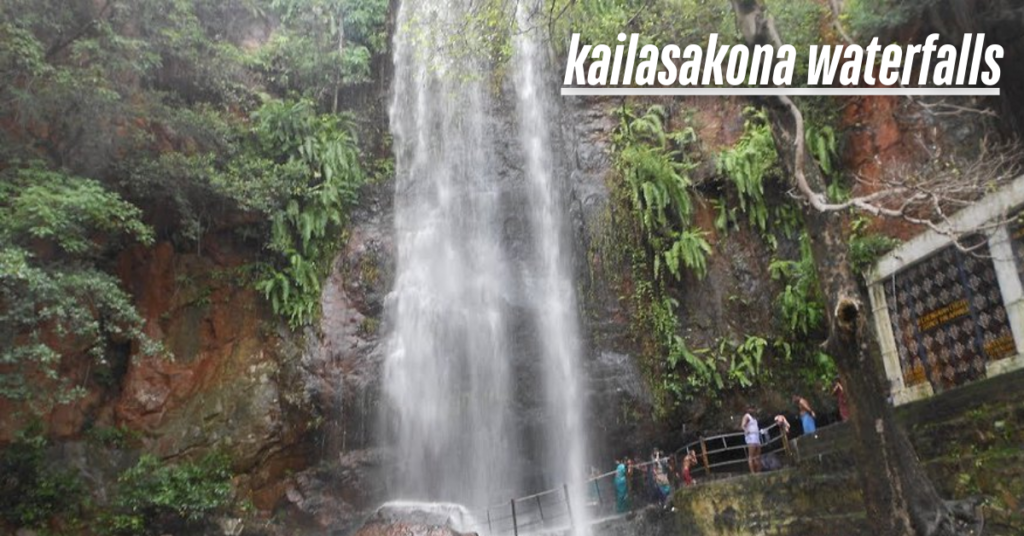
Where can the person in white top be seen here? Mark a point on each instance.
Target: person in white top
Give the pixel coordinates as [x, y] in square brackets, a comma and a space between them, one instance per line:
[752, 435]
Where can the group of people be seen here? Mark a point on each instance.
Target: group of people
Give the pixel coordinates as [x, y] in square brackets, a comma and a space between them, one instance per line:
[752, 431]
[649, 482]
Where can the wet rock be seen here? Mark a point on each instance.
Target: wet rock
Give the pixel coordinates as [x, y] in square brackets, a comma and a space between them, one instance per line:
[337, 494]
[412, 519]
[232, 383]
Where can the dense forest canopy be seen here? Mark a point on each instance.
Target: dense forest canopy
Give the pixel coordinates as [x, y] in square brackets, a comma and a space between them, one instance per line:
[126, 122]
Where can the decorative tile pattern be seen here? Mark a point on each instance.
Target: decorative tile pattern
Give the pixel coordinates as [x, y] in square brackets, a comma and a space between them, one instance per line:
[948, 317]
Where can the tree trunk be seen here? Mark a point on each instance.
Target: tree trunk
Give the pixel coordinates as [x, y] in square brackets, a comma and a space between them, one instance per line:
[899, 498]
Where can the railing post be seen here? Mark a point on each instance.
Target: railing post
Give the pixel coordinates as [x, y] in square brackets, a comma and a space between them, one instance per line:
[785, 441]
[515, 524]
[704, 455]
[490, 529]
[597, 488]
[540, 507]
[568, 505]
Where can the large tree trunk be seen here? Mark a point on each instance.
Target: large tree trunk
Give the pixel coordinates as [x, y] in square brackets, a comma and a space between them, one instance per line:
[899, 498]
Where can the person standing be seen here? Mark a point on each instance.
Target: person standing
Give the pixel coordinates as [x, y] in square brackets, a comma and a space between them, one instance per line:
[635, 474]
[806, 414]
[688, 462]
[621, 502]
[752, 436]
[661, 482]
[840, 394]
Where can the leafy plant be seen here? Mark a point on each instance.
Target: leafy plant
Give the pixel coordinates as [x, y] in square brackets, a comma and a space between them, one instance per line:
[745, 364]
[118, 437]
[702, 365]
[154, 496]
[867, 247]
[800, 303]
[31, 491]
[691, 249]
[751, 161]
[54, 300]
[304, 232]
[324, 46]
[821, 144]
[655, 168]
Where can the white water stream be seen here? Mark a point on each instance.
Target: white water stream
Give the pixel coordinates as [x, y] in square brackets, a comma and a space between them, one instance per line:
[453, 379]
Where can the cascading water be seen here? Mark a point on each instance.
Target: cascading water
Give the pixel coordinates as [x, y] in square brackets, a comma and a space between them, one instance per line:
[468, 280]
[553, 296]
[447, 377]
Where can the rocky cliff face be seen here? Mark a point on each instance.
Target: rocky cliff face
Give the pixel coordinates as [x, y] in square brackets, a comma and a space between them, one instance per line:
[736, 297]
[342, 371]
[297, 412]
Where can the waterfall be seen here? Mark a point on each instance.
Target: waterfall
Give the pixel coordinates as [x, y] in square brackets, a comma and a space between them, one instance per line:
[476, 414]
[554, 298]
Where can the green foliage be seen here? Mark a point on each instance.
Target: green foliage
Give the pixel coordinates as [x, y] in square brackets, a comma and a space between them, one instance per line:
[728, 366]
[31, 491]
[37, 204]
[474, 46]
[657, 325]
[118, 437]
[800, 303]
[751, 161]
[653, 164]
[143, 111]
[49, 224]
[821, 144]
[155, 497]
[304, 233]
[867, 247]
[690, 250]
[745, 364]
[323, 46]
[870, 18]
[703, 369]
[801, 21]
[657, 21]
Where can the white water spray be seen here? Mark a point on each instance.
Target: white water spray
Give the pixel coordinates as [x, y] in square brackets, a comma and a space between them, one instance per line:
[462, 293]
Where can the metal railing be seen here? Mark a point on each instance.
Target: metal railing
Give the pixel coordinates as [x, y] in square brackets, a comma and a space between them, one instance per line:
[547, 510]
[552, 509]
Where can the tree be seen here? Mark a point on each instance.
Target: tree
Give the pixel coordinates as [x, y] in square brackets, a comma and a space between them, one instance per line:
[53, 299]
[898, 496]
[324, 46]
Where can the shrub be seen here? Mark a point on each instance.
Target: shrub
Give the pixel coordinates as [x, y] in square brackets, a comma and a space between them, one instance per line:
[31, 493]
[154, 496]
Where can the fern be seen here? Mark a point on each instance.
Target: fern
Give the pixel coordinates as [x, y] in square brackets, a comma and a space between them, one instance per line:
[746, 361]
[748, 163]
[800, 304]
[657, 175]
[691, 249]
[305, 230]
[821, 144]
